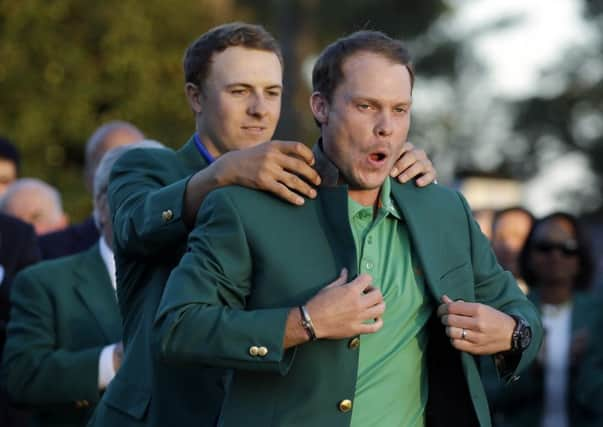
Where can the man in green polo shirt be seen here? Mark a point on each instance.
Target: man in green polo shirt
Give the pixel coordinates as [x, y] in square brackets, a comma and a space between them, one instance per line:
[364, 307]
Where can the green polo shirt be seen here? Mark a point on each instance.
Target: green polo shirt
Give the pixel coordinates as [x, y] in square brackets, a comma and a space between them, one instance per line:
[391, 388]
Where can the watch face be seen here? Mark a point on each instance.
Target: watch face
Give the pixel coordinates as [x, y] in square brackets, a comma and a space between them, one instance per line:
[525, 337]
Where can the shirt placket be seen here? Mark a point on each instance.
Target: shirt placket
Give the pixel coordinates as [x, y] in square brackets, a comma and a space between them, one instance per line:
[369, 248]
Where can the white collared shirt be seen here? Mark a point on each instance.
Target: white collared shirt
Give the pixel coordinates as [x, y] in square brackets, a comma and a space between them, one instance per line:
[109, 259]
[106, 372]
[556, 320]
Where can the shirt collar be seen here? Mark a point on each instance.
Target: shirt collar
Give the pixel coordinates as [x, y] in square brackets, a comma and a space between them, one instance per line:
[203, 150]
[329, 174]
[108, 258]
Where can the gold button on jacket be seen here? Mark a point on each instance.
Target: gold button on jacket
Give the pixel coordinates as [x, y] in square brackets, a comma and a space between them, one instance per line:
[262, 351]
[354, 343]
[253, 350]
[345, 405]
[167, 215]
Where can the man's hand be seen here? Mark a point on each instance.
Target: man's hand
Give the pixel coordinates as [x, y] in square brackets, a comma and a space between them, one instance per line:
[280, 167]
[118, 355]
[339, 310]
[414, 163]
[486, 330]
[343, 310]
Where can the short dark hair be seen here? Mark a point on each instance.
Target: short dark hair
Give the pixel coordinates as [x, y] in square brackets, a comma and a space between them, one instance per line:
[328, 72]
[198, 56]
[8, 151]
[585, 253]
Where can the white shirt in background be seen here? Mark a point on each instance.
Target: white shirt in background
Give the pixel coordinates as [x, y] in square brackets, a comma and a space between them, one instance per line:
[556, 320]
[105, 361]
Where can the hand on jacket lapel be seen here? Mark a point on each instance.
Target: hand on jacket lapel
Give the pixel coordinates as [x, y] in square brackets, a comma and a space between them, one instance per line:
[476, 328]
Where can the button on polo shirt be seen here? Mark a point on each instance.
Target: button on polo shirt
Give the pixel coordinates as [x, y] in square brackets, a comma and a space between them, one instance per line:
[391, 387]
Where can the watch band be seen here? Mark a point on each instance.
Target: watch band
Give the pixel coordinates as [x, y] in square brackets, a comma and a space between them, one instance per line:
[306, 323]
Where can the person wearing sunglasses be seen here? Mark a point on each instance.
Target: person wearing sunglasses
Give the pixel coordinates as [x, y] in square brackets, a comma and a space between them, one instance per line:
[557, 264]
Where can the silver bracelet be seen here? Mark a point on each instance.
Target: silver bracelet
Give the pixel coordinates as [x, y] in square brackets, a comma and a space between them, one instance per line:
[306, 322]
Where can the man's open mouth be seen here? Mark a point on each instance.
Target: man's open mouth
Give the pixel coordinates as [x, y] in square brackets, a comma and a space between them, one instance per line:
[377, 156]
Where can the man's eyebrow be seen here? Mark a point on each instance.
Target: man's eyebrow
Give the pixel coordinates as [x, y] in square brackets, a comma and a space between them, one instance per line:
[378, 101]
[250, 86]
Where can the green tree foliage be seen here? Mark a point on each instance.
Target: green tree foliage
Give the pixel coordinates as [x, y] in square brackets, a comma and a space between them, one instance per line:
[67, 66]
[572, 116]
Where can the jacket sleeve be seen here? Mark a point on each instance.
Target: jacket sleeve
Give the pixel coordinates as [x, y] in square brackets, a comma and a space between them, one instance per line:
[147, 202]
[202, 317]
[35, 370]
[497, 288]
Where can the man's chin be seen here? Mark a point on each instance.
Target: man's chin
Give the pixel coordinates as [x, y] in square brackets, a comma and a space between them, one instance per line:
[365, 185]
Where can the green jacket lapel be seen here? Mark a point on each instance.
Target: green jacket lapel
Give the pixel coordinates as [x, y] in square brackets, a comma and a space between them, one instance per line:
[93, 286]
[426, 240]
[334, 204]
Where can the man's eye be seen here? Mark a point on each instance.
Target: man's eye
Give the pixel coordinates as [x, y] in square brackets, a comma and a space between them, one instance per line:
[238, 91]
[364, 106]
[401, 110]
[274, 93]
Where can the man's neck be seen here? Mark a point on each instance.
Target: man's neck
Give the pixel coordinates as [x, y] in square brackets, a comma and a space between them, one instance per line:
[208, 143]
[365, 197]
[556, 292]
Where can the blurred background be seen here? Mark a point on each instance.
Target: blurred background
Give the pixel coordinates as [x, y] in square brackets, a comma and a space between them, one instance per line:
[508, 99]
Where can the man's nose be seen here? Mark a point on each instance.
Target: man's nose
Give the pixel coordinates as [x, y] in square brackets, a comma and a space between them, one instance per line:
[384, 125]
[257, 106]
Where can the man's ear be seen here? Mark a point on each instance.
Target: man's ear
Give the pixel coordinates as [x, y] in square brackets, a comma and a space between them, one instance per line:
[320, 108]
[193, 95]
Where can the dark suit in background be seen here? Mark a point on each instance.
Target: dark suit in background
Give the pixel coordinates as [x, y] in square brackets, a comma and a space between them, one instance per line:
[71, 240]
[18, 249]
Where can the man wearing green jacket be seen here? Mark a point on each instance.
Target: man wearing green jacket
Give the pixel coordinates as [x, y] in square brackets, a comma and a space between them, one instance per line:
[64, 336]
[364, 307]
[233, 85]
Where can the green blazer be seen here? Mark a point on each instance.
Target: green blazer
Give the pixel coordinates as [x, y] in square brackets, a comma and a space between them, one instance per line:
[63, 313]
[251, 257]
[520, 403]
[146, 195]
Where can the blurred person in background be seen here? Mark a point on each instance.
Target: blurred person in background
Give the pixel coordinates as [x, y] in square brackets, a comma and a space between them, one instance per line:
[510, 228]
[35, 202]
[9, 164]
[557, 264]
[79, 237]
[18, 249]
[63, 346]
[484, 219]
